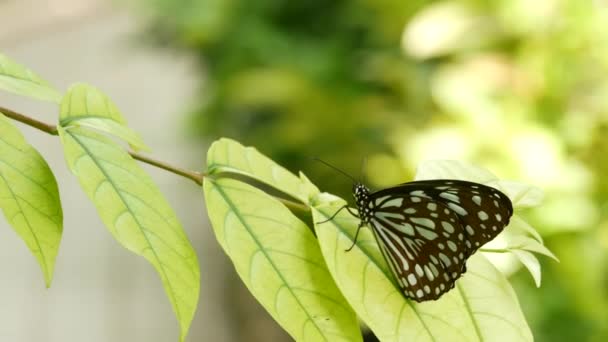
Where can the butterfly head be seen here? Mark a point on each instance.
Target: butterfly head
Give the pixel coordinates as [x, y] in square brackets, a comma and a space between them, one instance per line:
[361, 195]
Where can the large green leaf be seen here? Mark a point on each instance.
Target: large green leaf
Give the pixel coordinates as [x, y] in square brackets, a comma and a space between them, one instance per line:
[482, 307]
[19, 80]
[84, 105]
[278, 258]
[136, 213]
[29, 197]
[226, 155]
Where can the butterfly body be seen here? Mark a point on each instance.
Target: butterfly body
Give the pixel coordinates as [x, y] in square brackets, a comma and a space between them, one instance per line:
[426, 230]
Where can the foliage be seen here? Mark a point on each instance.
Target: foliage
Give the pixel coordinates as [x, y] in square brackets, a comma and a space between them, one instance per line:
[517, 86]
[304, 279]
[128, 202]
[284, 267]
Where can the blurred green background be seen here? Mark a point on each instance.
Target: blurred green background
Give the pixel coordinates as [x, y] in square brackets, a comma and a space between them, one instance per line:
[518, 87]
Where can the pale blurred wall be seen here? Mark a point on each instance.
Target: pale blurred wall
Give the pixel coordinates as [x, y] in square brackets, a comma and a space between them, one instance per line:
[100, 291]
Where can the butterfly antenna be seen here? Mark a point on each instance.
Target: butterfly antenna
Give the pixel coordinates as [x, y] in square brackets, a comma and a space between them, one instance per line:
[335, 168]
[363, 165]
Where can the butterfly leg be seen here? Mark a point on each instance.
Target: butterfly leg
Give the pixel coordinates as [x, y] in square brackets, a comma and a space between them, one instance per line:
[356, 235]
[339, 210]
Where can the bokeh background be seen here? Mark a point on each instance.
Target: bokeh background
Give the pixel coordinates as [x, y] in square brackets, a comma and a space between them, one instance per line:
[518, 87]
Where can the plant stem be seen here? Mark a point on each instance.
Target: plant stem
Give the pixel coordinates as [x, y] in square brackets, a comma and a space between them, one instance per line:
[195, 176]
[50, 129]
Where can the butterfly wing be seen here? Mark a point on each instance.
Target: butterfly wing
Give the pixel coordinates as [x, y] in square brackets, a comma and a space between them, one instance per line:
[427, 229]
[483, 211]
[425, 255]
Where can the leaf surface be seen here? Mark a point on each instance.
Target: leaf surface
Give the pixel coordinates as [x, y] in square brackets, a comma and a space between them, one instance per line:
[19, 80]
[136, 213]
[84, 105]
[278, 258]
[228, 156]
[29, 197]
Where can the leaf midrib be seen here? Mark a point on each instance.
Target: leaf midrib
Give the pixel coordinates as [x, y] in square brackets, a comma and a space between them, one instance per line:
[115, 188]
[467, 307]
[263, 250]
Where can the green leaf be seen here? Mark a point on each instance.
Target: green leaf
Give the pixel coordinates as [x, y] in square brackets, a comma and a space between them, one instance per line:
[512, 239]
[278, 258]
[228, 156]
[29, 197]
[84, 105]
[518, 224]
[136, 214]
[22, 81]
[521, 195]
[482, 307]
[530, 262]
[521, 242]
[453, 169]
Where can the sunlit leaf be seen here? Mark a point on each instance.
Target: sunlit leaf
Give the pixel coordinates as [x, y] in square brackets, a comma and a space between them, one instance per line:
[525, 243]
[136, 213]
[29, 197]
[522, 195]
[84, 105]
[19, 80]
[228, 156]
[483, 306]
[453, 169]
[530, 262]
[518, 224]
[278, 258]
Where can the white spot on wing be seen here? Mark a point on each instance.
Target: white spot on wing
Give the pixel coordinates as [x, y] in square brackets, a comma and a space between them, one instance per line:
[382, 199]
[470, 230]
[482, 215]
[429, 273]
[427, 234]
[446, 261]
[450, 196]
[477, 200]
[458, 209]
[411, 278]
[385, 215]
[423, 222]
[395, 202]
[405, 228]
[447, 226]
[452, 246]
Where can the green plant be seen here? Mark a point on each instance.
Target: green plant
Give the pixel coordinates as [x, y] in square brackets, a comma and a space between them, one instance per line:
[295, 267]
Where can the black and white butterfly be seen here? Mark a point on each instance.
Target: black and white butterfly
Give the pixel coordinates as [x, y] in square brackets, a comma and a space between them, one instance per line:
[428, 229]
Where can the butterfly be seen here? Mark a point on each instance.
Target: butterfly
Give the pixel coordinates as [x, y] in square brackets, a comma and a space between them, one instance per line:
[426, 230]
